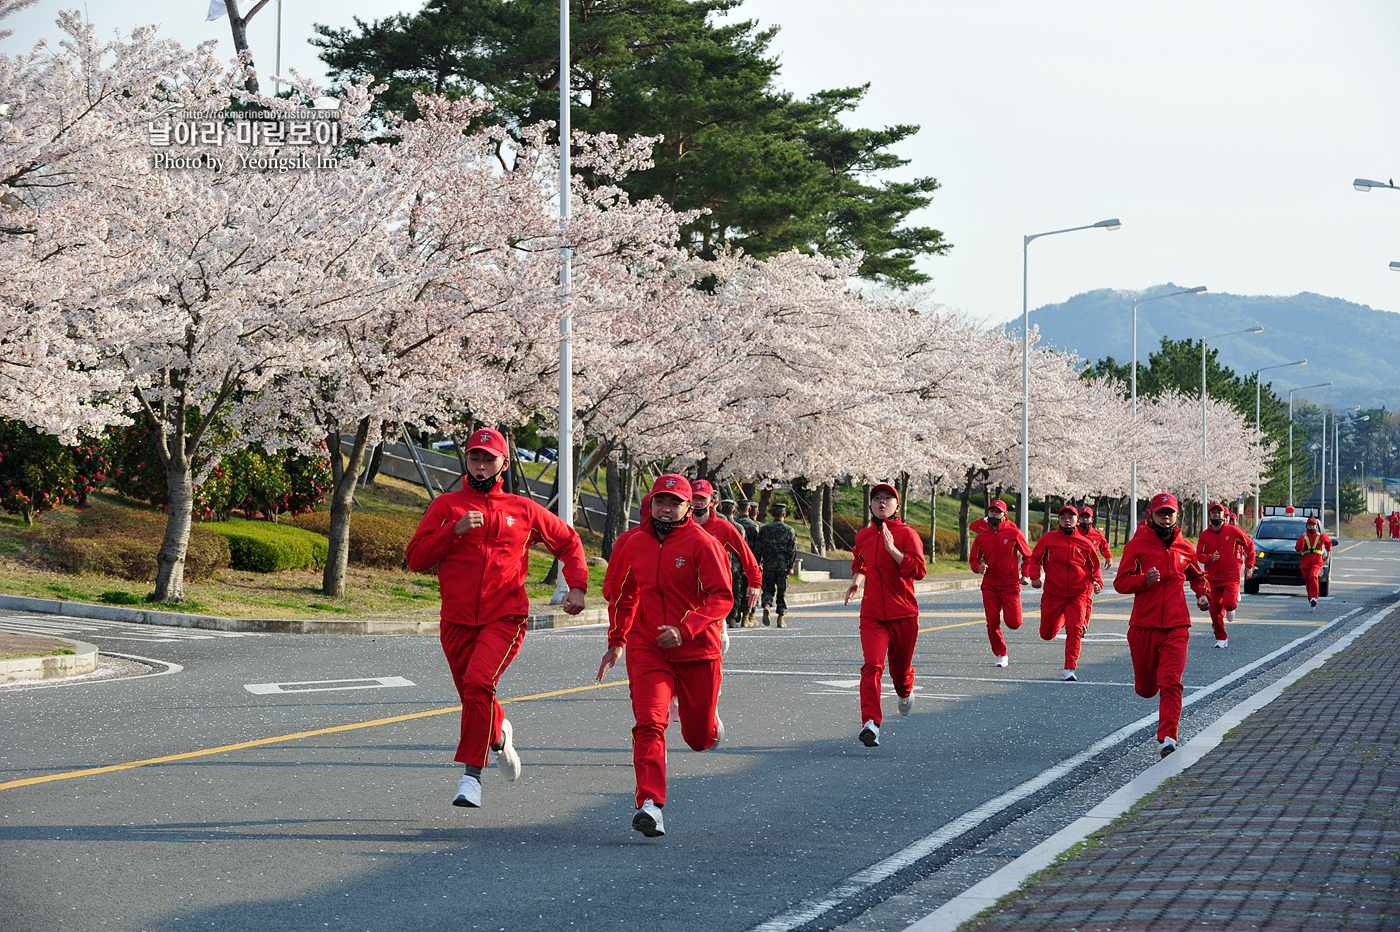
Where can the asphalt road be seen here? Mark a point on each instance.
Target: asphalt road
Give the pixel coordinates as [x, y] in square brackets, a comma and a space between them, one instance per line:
[352, 829]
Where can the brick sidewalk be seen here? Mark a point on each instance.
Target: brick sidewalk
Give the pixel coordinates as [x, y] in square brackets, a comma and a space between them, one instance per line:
[1290, 824]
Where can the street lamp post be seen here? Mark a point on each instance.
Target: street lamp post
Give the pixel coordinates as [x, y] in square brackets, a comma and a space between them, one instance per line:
[1290, 434]
[1132, 482]
[1205, 510]
[1025, 508]
[1337, 466]
[1285, 365]
[564, 461]
[1365, 184]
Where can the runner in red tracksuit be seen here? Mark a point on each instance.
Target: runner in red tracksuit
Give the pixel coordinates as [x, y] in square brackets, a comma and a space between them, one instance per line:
[1380, 523]
[730, 537]
[1314, 546]
[1219, 550]
[888, 559]
[997, 554]
[669, 591]
[479, 539]
[1100, 542]
[1072, 578]
[1395, 525]
[1153, 568]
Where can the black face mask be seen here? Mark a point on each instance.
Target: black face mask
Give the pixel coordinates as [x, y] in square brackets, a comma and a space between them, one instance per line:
[483, 485]
[1216, 522]
[701, 513]
[1069, 530]
[1165, 534]
[994, 520]
[662, 528]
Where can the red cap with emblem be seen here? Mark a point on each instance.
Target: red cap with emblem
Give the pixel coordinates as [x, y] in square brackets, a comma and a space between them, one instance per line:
[701, 487]
[997, 505]
[1164, 501]
[489, 440]
[672, 484]
[1086, 510]
[884, 487]
[1070, 508]
[1219, 505]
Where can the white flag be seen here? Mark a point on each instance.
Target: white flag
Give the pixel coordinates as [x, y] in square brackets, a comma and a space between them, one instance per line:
[216, 9]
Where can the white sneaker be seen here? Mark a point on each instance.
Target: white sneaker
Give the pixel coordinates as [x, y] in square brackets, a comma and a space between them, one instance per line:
[648, 821]
[719, 732]
[505, 757]
[1001, 661]
[870, 734]
[1220, 645]
[468, 792]
[906, 704]
[674, 716]
[1312, 603]
[1167, 745]
[723, 641]
[1068, 676]
[1230, 616]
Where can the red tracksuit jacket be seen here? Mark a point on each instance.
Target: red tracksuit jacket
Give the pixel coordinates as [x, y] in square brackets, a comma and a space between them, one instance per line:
[1314, 546]
[732, 540]
[682, 581]
[481, 574]
[1230, 542]
[889, 586]
[1071, 566]
[1162, 604]
[1000, 551]
[1098, 541]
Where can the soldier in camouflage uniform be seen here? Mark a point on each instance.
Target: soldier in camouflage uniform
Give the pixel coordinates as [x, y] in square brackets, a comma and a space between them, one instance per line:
[777, 551]
[750, 528]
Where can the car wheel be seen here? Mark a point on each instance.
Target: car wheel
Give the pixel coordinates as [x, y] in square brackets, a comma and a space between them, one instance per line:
[1322, 587]
[1251, 587]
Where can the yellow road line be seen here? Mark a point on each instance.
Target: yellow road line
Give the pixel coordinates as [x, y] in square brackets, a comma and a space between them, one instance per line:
[1352, 547]
[92, 771]
[960, 625]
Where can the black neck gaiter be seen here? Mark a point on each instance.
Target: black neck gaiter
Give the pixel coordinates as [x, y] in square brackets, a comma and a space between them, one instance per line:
[1165, 534]
[662, 528]
[994, 522]
[483, 485]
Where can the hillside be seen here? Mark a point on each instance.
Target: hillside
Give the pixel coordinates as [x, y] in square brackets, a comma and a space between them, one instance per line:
[1355, 347]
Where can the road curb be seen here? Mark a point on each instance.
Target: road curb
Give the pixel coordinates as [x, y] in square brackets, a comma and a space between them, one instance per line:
[82, 661]
[535, 621]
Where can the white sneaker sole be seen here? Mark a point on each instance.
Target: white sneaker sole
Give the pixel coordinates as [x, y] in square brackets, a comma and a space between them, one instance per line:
[507, 760]
[644, 823]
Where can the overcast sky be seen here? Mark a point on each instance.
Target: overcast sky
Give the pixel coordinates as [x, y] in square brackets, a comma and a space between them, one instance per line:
[1225, 135]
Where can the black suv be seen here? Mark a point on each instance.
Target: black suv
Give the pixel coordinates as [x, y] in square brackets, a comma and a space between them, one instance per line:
[1277, 562]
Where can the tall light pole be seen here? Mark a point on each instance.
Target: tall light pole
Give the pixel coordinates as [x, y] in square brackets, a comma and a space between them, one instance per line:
[1337, 466]
[564, 461]
[1205, 510]
[1290, 434]
[1132, 482]
[1284, 365]
[1026, 364]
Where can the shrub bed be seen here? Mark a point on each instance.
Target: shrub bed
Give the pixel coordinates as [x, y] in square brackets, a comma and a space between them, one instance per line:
[375, 540]
[123, 542]
[264, 547]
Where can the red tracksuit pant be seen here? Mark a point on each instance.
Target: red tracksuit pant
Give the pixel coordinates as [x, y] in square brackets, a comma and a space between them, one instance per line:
[1001, 602]
[1070, 613]
[877, 640]
[478, 655]
[653, 680]
[1224, 597]
[1311, 566]
[1159, 660]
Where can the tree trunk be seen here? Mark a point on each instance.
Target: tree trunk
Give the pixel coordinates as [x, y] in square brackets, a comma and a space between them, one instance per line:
[619, 502]
[179, 503]
[828, 521]
[932, 520]
[748, 490]
[377, 457]
[240, 37]
[815, 524]
[865, 505]
[343, 475]
[1045, 516]
[904, 497]
[764, 498]
[964, 545]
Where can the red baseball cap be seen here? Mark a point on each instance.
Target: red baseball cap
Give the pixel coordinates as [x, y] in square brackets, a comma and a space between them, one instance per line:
[884, 487]
[997, 505]
[1164, 501]
[1221, 505]
[672, 484]
[1070, 508]
[701, 487]
[1086, 510]
[489, 440]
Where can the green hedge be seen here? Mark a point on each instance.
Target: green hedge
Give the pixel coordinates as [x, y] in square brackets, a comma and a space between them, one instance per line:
[264, 547]
[375, 540]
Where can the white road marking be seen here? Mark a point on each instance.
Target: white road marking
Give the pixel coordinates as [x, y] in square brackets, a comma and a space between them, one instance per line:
[324, 686]
[60, 625]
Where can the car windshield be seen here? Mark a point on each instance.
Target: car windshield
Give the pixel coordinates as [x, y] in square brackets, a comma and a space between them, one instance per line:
[1281, 529]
